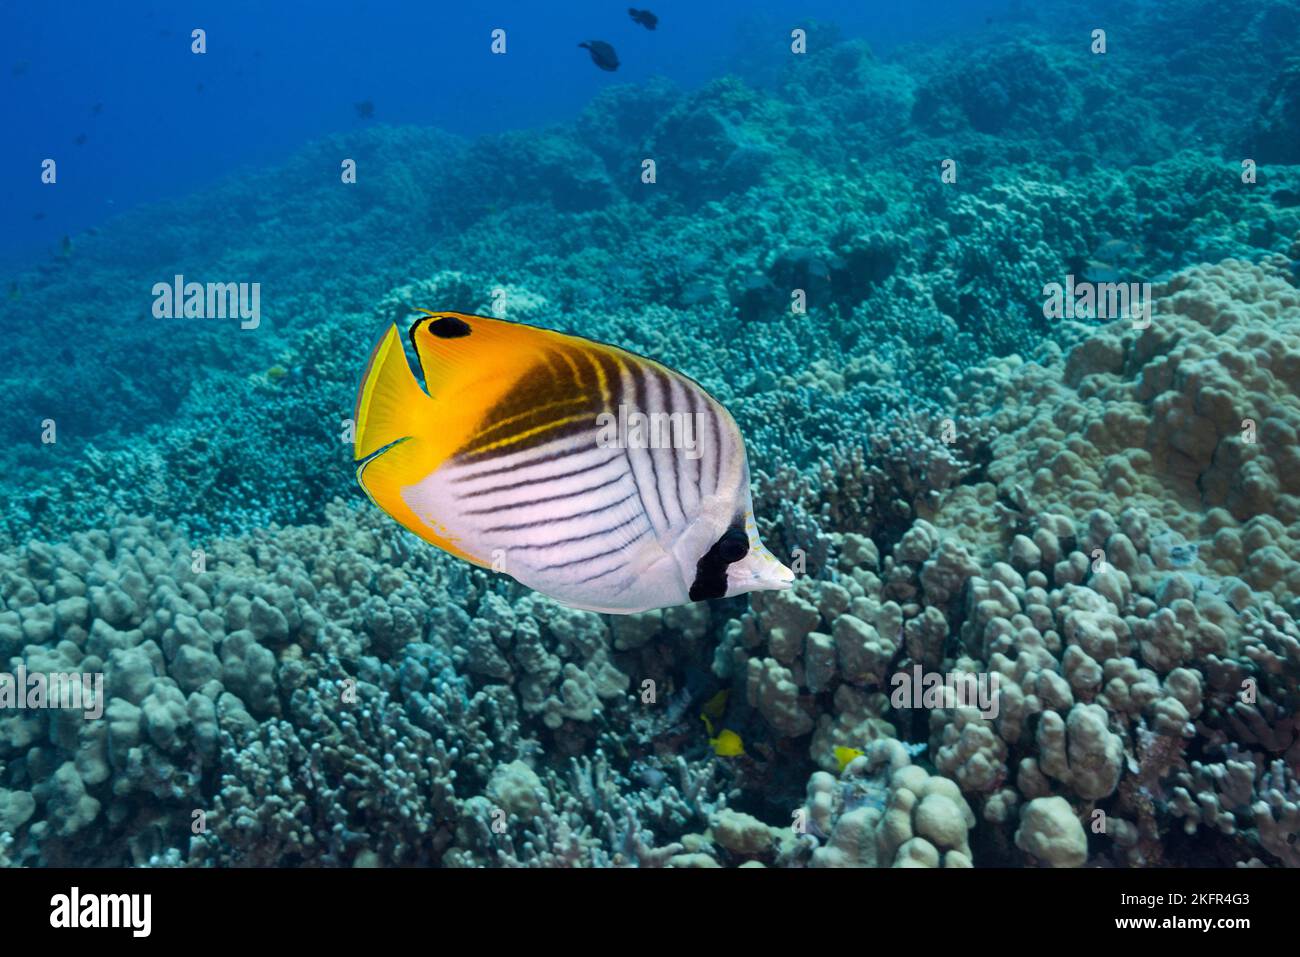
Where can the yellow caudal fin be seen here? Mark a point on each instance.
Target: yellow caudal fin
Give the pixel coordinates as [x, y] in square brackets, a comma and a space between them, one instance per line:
[392, 421]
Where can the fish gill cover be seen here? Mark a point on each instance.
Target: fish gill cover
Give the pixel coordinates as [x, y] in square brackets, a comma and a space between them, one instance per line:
[1006, 311]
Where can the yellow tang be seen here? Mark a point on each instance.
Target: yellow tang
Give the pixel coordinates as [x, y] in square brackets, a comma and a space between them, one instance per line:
[846, 756]
[727, 745]
[594, 475]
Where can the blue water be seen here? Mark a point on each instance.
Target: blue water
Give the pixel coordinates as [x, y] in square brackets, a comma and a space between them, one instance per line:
[278, 75]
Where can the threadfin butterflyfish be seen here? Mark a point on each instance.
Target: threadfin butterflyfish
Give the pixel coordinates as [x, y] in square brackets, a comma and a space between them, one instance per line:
[598, 477]
[728, 744]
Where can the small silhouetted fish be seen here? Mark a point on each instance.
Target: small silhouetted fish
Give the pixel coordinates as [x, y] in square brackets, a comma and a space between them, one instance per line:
[602, 54]
[38, 216]
[81, 139]
[20, 67]
[643, 17]
[96, 109]
[198, 87]
[365, 109]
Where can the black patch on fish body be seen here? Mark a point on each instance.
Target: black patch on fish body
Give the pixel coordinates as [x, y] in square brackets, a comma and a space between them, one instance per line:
[711, 570]
[602, 54]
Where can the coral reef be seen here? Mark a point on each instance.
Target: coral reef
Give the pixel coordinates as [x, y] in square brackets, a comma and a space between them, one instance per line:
[1048, 586]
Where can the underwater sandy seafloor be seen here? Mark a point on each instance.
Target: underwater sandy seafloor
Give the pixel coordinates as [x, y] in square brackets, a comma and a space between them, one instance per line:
[1157, 684]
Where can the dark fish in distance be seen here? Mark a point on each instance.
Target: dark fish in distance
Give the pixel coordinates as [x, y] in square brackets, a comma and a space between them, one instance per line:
[643, 17]
[198, 87]
[602, 54]
[365, 109]
[38, 216]
[81, 139]
[96, 109]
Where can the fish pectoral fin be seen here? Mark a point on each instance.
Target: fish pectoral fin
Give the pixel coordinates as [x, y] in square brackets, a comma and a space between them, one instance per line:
[645, 554]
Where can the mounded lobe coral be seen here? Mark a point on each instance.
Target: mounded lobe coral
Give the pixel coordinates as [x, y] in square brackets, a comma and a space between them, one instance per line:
[712, 143]
[1193, 419]
[1018, 87]
[1050, 832]
[554, 169]
[884, 811]
[320, 695]
[1130, 621]
[1276, 134]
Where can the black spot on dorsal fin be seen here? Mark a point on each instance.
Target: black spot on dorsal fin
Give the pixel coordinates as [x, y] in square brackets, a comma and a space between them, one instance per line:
[449, 327]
